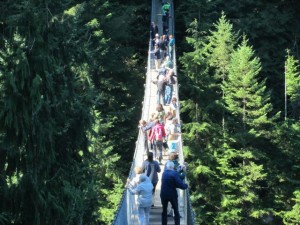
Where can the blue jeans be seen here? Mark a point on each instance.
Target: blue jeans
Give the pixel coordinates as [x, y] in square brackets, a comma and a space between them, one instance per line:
[164, 215]
[144, 215]
[168, 94]
[171, 53]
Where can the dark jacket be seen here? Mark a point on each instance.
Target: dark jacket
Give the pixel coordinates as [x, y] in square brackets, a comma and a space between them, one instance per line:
[157, 54]
[169, 182]
[153, 30]
[151, 169]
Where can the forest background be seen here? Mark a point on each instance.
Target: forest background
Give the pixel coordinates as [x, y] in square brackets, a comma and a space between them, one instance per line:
[71, 88]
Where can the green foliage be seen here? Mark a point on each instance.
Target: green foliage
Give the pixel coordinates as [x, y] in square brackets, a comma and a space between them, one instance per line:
[285, 173]
[113, 196]
[292, 217]
[199, 85]
[65, 105]
[292, 79]
[106, 175]
[253, 145]
[245, 96]
[269, 25]
[239, 175]
[220, 46]
[231, 171]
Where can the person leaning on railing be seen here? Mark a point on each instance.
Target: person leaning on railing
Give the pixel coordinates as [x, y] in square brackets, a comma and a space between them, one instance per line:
[144, 200]
[144, 128]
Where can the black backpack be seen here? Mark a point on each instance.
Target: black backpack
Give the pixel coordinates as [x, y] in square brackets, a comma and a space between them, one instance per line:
[148, 170]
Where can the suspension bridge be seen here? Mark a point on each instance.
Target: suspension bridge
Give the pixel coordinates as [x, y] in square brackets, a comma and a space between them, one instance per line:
[127, 210]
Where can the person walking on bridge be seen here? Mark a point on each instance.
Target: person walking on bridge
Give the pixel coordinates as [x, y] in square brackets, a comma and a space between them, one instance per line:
[144, 127]
[165, 17]
[157, 56]
[158, 133]
[153, 31]
[169, 182]
[170, 81]
[171, 46]
[144, 199]
[151, 168]
[161, 86]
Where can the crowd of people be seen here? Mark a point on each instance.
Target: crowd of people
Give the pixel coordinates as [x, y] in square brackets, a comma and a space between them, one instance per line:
[161, 134]
[162, 49]
[143, 186]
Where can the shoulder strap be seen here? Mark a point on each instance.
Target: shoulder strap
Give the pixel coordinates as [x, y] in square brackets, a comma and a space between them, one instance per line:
[148, 169]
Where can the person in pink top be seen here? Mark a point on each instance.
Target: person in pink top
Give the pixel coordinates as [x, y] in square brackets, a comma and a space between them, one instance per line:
[158, 134]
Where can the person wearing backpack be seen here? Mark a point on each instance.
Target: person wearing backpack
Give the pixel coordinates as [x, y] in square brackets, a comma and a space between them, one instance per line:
[158, 134]
[165, 17]
[151, 169]
[163, 47]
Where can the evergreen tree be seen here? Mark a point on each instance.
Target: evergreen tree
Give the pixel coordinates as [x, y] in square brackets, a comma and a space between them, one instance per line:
[270, 25]
[292, 85]
[220, 46]
[292, 217]
[246, 98]
[226, 179]
[196, 77]
[254, 146]
[119, 79]
[284, 172]
[197, 104]
[106, 174]
[52, 55]
[44, 118]
[239, 161]
[239, 175]
[221, 43]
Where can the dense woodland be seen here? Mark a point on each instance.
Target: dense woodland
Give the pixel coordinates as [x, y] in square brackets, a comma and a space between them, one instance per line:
[71, 90]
